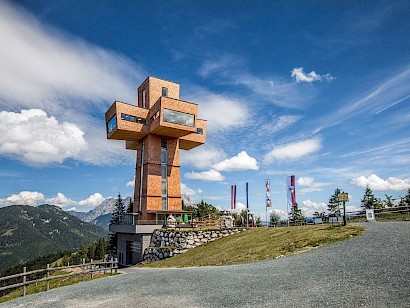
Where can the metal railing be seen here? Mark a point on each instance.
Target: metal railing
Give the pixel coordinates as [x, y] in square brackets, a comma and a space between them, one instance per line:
[86, 268]
[131, 219]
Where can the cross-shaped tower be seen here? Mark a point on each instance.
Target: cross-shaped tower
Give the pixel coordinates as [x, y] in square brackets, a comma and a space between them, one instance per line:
[157, 128]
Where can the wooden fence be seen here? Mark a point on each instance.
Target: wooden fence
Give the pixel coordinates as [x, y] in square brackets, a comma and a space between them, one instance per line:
[86, 268]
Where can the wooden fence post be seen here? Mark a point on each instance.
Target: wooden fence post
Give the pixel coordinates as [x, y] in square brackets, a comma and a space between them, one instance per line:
[48, 276]
[92, 269]
[83, 267]
[111, 261]
[24, 281]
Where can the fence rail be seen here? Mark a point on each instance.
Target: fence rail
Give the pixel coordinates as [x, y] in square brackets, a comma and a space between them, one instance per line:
[86, 268]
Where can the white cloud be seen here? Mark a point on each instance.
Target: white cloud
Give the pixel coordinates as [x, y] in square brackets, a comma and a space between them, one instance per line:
[93, 200]
[60, 200]
[376, 183]
[282, 213]
[33, 137]
[293, 151]
[70, 79]
[202, 157]
[300, 76]
[242, 161]
[189, 191]
[280, 123]
[131, 183]
[211, 175]
[305, 181]
[311, 185]
[239, 207]
[72, 209]
[216, 107]
[23, 198]
[309, 207]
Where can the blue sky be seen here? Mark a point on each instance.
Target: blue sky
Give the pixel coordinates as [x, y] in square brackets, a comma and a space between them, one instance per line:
[318, 89]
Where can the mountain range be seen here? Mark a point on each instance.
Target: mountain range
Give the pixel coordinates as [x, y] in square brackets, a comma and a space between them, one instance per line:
[28, 232]
[101, 214]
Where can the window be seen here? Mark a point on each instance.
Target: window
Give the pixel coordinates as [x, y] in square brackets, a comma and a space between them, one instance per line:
[199, 131]
[144, 99]
[112, 123]
[130, 118]
[164, 174]
[181, 118]
[164, 91]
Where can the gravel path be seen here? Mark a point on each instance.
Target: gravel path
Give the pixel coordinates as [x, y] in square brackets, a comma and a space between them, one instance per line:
[372, 270]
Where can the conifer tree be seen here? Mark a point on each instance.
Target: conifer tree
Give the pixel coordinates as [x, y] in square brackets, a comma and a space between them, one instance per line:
[334, 204]
[116, 218]
[369, 201]
[130, 206]
[406, 198]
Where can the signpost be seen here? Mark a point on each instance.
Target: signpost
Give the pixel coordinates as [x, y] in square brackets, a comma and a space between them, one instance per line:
[344, 197]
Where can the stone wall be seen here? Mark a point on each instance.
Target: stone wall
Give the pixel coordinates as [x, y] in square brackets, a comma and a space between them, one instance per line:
[167, 243]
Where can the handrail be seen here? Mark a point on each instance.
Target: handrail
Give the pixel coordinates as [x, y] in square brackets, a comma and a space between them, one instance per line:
[111, 265]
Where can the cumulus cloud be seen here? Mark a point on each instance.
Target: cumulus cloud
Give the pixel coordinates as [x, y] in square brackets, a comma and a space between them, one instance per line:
[377, 183]
[72, 209]
[294, 151]
[239, 207]
[131, 183]
[211, 175]
[93, 200]
[310, 185]
[300, 76]
[202, 157]
[68, 78]
[60, 200]
[189, 191]
[215, 108]
[23, 198]
[33, 137]
[242, 161]
[309, 207]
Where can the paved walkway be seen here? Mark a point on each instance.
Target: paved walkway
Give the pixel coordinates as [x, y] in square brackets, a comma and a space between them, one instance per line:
[372, 270]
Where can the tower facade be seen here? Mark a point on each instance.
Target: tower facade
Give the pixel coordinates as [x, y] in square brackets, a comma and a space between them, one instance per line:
[157, 128]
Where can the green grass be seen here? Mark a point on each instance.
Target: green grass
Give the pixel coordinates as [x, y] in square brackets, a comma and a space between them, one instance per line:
[55, 283]
[260, 244]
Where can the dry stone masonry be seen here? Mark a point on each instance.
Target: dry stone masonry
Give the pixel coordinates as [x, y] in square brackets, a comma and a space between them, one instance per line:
[167, 243]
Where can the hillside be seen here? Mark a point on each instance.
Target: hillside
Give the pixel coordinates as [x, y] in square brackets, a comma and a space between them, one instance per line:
[27, 232]
[106, 207]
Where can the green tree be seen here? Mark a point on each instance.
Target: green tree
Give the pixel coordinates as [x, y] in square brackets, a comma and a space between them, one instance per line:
[369, 201]
[274, 217]
[406, 198]
[118, 211]
[296, 213]
[116, 218]
[334, 204]
[388, 202]
[130, 208]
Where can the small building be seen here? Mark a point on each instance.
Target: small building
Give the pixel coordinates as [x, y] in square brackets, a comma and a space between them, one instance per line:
[156, 128]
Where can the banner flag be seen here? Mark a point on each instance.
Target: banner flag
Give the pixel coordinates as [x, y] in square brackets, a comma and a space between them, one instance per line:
[291, 190]
[247, 196]
[268, 198]
[234, 196]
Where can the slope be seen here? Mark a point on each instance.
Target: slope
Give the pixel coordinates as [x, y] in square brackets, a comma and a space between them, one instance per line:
[27, 232]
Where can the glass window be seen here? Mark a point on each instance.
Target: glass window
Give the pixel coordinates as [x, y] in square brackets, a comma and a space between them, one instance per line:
[163, 156]
[164, 188]
[164, 91]
[144, 97]
[164, 172]
[181, 118]
[130, 118]
[112, 124]
[164, 203]
[199, 131]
